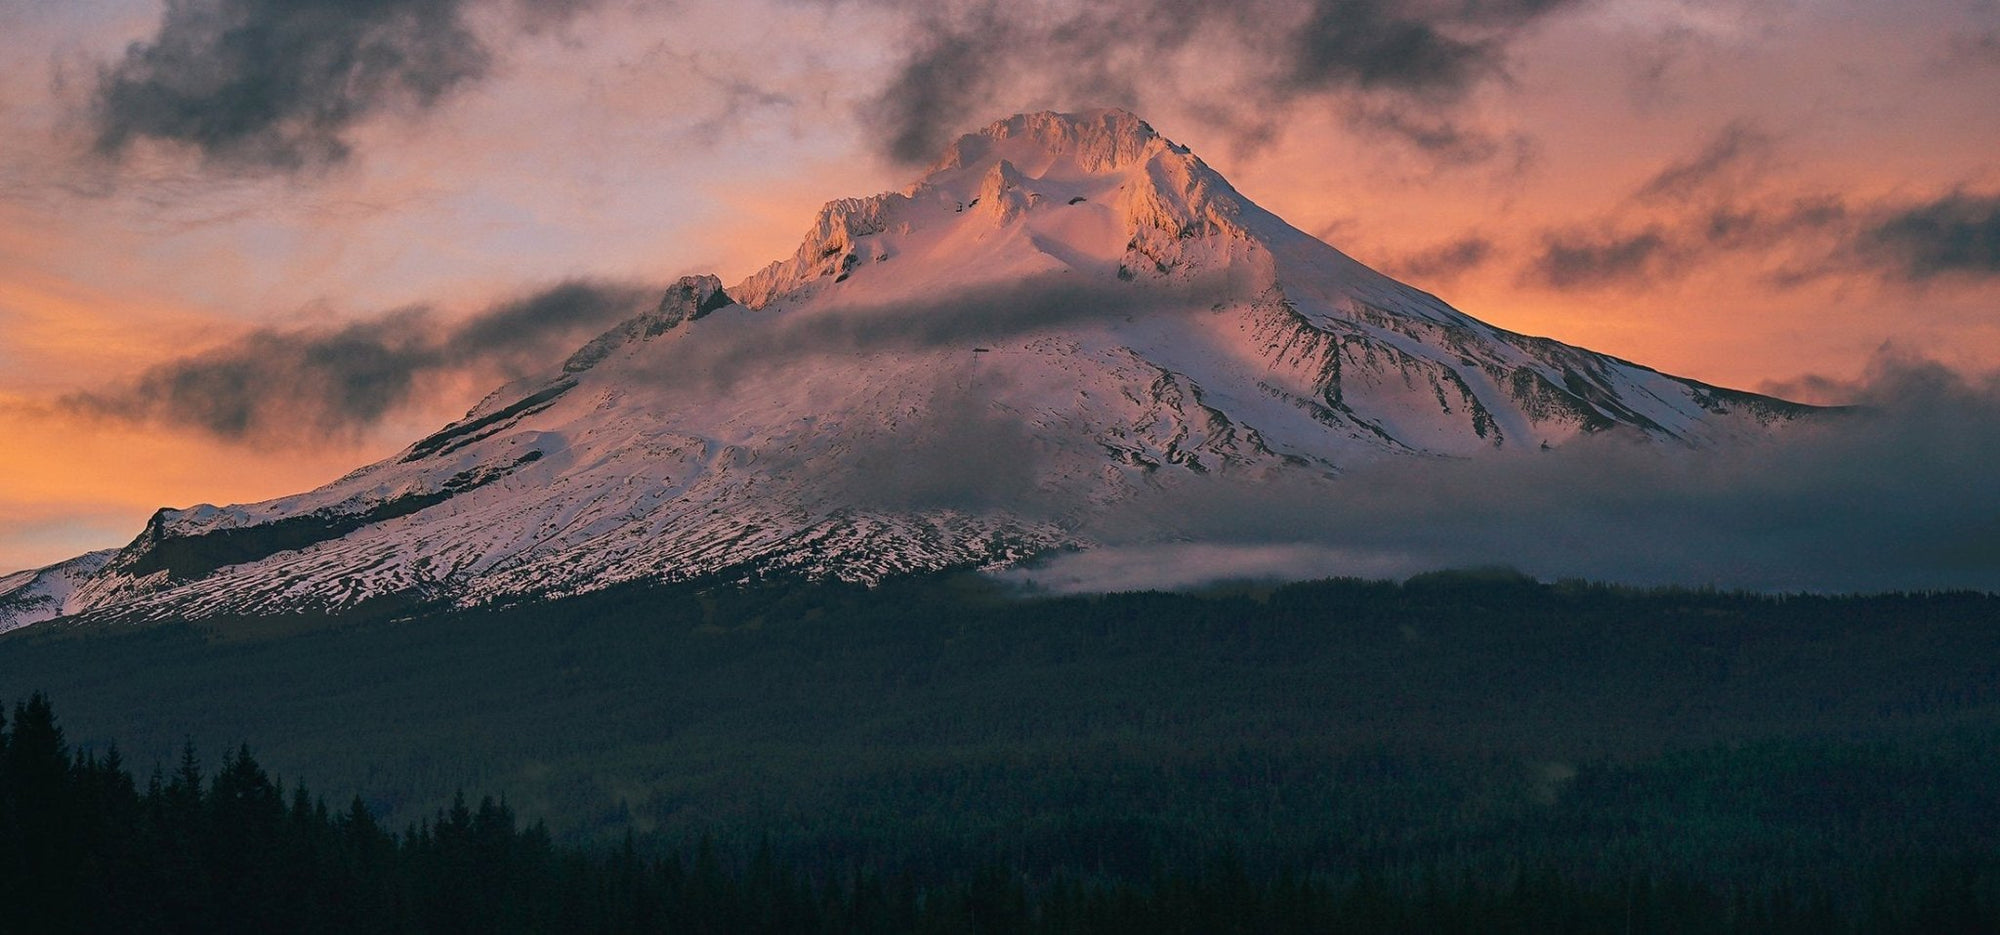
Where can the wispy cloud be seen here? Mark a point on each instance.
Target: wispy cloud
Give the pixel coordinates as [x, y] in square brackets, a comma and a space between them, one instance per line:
[1714, 206]
[1573, 259]
[1445, 261]
[725, 347]
[1257, 60]
[1956, 234]
[1730, 150]
[301, 385]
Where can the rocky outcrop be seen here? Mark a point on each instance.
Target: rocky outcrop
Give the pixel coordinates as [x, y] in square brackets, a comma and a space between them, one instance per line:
[691, 298]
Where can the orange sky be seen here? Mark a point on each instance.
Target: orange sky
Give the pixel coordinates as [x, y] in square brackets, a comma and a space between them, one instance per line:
[1744, 193]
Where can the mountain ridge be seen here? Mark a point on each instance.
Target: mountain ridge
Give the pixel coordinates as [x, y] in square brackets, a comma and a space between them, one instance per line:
[1065, 312]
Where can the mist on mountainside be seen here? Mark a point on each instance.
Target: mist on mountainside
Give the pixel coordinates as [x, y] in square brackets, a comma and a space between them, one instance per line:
[1892, 493]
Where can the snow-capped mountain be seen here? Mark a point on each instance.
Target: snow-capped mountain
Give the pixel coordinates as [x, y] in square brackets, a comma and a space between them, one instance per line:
[1066, 311]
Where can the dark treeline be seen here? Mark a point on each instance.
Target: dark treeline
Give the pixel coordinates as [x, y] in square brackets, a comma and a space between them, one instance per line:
[83, 848]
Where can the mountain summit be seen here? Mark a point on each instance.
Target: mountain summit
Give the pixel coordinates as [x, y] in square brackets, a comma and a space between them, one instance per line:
[1065, 312]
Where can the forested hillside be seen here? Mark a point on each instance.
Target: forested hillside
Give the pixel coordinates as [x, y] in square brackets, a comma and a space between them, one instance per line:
[85, 849]
[1450, 742]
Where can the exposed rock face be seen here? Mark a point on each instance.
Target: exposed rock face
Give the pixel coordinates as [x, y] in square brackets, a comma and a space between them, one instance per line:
[828, 249]
[1065, 312]
[688, 300]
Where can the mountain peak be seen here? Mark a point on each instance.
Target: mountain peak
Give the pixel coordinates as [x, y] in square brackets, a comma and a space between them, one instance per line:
[1100, 140]
[1098, 191]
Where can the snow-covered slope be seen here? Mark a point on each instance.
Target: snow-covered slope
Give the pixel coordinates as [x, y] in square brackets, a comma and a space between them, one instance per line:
[44, 594]
[1066, 311]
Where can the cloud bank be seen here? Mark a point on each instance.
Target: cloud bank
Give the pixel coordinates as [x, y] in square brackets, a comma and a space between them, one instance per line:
[731, 344]
[1959, 233]
[1255, 58]
[276, 85]
[1715, 204]
[1892, 492]
[1896, 494]
[279, 86]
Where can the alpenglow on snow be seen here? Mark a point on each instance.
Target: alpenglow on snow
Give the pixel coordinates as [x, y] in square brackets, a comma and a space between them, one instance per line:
[1065, 312]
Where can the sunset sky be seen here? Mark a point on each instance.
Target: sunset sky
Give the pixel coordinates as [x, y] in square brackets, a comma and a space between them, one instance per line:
[249, 245]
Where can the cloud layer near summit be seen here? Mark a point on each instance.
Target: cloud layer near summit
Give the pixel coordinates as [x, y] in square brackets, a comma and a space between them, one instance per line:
[249, 244]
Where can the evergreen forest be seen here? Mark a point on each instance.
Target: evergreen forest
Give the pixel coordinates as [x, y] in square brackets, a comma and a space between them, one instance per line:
[1456, 752]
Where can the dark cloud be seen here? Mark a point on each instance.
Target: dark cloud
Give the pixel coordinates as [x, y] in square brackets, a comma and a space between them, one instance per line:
[1447, 140]
[933, 91]
[1717, 205]
[1373, 44]
[298, 386]
[1894, 494]
[1795, 239]
[1572, 260]
[536, 16]
[724, 347]
[1956, 234]
[973, 59]
[1971, 51]
[521, 335]
[965, 55]
[1764, 225]
[1447, 260]
[1986, 46]
[276, 85]
[1736, 145]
